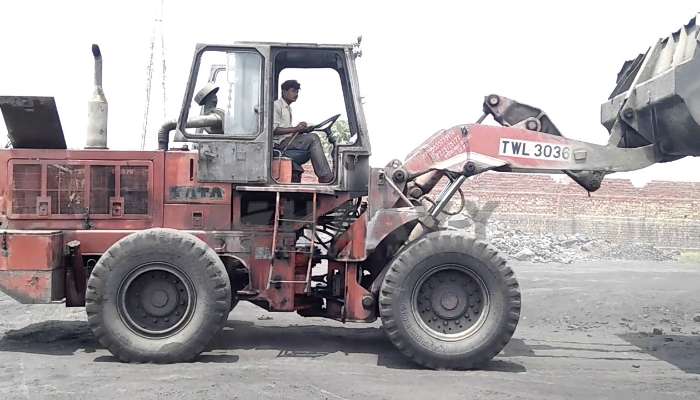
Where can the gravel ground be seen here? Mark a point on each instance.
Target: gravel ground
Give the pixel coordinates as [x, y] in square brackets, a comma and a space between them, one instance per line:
[586, 332]
[518, 245]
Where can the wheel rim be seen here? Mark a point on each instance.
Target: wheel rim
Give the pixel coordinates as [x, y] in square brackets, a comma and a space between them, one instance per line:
[450, 302]
[156, 300]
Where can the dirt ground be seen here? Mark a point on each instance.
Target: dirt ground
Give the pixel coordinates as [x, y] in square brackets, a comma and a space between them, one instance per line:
[585, 333]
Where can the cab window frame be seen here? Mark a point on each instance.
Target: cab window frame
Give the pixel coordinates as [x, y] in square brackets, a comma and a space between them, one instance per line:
[191, 90]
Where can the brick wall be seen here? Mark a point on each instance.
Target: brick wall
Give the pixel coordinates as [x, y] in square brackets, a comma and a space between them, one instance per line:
[665, 214]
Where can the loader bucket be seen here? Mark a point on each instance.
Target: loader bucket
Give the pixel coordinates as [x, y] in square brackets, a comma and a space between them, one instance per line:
[657, 97]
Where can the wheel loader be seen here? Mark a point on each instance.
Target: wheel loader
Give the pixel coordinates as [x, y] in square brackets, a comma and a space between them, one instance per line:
[159, 246]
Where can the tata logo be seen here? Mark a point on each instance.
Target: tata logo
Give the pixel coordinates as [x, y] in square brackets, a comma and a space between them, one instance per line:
[184, 193]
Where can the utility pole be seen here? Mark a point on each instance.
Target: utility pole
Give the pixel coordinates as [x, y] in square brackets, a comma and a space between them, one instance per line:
[157, 40]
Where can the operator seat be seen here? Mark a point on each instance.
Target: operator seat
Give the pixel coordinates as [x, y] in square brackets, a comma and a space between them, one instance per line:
[285, 165]
[297, 169]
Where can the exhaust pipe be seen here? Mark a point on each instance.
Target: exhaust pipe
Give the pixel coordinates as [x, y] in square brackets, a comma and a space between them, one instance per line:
[97, 108]
[211, 120]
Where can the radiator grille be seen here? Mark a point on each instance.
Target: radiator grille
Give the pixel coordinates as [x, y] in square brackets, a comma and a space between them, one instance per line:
[65, 185]
[134, 189]
[26, 188]
[71, 189]
[101, 188]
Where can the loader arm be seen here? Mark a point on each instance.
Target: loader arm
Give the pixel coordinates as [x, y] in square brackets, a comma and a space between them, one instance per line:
[467, 150]
[511, 149]
[652, 115]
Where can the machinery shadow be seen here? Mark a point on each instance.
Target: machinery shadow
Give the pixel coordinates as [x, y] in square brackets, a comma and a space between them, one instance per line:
[57, 338]
[681, 351]
[316, 341]
[544, 349]
[678, 350]
[65, 338]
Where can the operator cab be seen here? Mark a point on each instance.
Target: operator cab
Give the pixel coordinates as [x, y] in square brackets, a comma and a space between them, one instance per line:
[237, 86]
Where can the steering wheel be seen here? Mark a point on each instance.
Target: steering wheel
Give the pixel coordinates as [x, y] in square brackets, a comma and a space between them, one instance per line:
[325, 127]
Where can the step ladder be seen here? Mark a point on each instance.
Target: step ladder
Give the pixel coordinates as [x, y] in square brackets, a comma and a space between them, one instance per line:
[275, 231]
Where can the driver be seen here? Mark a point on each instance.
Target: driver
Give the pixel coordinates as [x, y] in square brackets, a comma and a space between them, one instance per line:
[307, 145]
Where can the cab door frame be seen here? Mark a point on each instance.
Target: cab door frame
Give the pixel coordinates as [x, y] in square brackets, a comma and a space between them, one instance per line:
[351, 164]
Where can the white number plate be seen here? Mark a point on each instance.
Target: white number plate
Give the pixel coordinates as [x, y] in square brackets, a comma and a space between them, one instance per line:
[536, 150]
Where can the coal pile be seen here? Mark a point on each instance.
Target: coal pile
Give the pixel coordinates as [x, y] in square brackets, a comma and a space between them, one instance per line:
[565, 249]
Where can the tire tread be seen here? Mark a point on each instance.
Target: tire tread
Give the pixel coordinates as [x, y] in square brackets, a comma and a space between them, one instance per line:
[169, 238]
[420, 249]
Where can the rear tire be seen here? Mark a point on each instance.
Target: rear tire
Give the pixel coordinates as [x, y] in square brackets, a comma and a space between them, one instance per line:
[449, 301]
[158, 295]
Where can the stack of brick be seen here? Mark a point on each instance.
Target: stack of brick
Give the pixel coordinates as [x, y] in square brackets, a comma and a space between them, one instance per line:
[660, 214]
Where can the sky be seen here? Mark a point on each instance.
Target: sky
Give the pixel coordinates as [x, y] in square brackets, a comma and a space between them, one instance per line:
[425, 65]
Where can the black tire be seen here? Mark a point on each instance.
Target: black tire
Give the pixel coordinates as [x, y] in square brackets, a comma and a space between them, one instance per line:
[159, 295]
[434, 287]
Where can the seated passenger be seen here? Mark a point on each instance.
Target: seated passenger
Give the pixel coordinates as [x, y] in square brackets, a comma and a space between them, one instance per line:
[289, 137]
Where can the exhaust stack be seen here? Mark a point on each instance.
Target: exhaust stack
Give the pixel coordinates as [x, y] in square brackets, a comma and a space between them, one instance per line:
[97, 108]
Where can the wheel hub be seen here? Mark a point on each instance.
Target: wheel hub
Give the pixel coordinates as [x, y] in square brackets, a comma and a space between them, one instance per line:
[449, 302]
[159, 298]
[156, 299]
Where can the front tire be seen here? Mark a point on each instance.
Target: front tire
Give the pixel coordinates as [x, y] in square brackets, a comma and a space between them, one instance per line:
[158, 295]
[449, 301]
